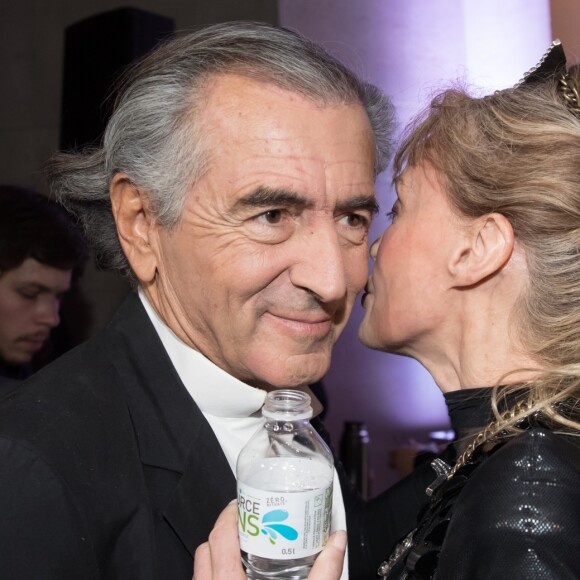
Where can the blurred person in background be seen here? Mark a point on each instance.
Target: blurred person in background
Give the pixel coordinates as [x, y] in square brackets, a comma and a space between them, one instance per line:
[40, 250]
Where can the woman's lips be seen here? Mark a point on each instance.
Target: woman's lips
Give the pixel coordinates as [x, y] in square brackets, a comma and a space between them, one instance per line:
[366, 293]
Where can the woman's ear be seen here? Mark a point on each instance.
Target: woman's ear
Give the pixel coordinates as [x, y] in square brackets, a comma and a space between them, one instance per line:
[487, 248]
[135, 225]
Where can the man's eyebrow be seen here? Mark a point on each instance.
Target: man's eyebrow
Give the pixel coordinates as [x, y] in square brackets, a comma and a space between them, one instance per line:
[268, 197]
[271, 197]
[365, 202]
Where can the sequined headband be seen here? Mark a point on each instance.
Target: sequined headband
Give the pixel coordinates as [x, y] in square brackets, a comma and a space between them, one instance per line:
[553, 64]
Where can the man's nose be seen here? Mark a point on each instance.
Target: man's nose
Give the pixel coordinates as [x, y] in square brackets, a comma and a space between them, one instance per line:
[319, 266]
[48, 312]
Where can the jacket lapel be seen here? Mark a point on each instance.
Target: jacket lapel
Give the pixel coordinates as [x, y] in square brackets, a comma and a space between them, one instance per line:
[172, 432]
[203, 491]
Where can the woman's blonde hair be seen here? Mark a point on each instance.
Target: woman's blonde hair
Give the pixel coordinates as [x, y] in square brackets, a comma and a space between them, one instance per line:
[517, 152]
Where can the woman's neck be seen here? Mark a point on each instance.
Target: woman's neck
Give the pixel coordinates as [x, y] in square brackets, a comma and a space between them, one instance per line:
[478, 354]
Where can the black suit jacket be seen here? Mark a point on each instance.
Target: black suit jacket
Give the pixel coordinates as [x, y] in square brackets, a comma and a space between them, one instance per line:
[12, 376]
[7, 385]
[108, 469]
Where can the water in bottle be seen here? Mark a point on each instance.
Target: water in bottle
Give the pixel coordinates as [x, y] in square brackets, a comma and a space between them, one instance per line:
[284, 475]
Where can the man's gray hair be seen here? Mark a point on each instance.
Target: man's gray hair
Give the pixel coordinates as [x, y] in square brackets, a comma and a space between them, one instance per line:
[154, 134]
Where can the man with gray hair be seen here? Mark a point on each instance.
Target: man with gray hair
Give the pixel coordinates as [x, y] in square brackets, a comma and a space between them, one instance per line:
[235, 187]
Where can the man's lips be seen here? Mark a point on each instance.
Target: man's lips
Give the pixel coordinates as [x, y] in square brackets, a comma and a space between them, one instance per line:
[33, 341]
[309, 324]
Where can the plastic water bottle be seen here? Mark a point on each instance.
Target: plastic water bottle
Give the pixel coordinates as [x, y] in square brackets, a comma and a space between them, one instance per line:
[284, 476]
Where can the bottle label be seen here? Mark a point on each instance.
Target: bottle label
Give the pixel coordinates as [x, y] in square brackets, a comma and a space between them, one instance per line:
[283, 526]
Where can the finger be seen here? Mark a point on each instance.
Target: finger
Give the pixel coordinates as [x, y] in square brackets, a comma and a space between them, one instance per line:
[224, 547]
[202, 563]
[228, 516]
[328, 565]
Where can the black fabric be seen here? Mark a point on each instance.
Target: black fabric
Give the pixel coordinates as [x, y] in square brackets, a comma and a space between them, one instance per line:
[469, 409]
[7, 385]
[519, 514]
[513, 511]
[108, 469]
[375, 525]
[14, 372]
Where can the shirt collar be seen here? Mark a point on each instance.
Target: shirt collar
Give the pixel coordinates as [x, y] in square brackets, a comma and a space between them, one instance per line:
[214, 390]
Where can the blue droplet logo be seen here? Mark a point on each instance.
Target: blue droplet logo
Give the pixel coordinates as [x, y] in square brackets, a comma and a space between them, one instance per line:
[271, 526]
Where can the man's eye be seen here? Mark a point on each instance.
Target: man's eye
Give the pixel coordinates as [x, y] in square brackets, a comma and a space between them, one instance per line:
[272, 226]
[354, 227]
[272, 216]
[28, 295]
[355, 220]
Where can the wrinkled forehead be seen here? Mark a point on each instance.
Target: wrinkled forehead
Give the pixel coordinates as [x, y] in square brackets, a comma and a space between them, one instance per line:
[254, 132]
[231, 99]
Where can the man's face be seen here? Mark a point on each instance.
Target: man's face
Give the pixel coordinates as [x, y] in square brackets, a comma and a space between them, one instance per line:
[261, 273]
[29, 303]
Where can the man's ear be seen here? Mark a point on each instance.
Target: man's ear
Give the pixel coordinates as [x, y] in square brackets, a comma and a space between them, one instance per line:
[135, 226]
[486, 249]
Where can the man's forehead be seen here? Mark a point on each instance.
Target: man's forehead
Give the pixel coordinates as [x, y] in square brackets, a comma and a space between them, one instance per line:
[229, 98]
[260, 139]
[224, 87]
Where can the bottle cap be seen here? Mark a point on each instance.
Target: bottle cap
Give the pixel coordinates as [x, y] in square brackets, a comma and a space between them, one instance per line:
[287, 404]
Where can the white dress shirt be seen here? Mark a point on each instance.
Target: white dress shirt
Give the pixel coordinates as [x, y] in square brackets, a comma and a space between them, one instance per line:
[231, 407]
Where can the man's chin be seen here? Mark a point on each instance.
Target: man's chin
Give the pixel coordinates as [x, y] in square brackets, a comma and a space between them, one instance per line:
[304, 370]
[282, 362]
[17, 359]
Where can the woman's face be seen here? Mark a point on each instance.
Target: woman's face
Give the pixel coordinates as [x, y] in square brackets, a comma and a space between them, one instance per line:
[408, 301]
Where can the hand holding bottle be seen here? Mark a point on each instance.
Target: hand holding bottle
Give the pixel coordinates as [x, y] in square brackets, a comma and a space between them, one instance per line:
[219, 557]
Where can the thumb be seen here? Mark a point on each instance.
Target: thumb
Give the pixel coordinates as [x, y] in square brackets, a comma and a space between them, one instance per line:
[328, 565]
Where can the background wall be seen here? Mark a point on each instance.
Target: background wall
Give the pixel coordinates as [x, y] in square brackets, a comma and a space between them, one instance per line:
[408, 47]
[565, 15]
[31, 59]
